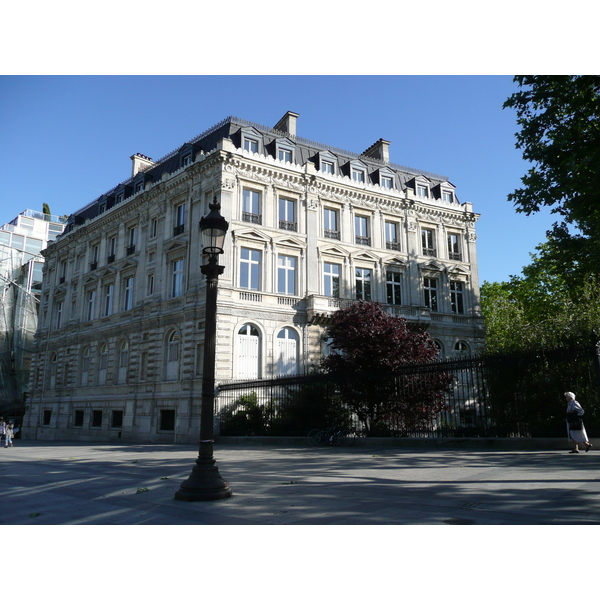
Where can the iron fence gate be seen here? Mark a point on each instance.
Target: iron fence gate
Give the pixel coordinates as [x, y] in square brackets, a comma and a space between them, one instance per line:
[499, 395]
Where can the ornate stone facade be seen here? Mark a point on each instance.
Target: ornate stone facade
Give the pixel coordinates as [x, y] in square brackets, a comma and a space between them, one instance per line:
[311, 229]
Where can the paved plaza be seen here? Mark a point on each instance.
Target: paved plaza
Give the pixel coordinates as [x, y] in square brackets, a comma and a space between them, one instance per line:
[60, 483]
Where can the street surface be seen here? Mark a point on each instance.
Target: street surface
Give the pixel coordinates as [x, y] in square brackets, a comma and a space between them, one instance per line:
[60, 483]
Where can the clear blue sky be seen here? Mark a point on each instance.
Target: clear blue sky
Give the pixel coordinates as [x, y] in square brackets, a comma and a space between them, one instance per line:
[65, 140]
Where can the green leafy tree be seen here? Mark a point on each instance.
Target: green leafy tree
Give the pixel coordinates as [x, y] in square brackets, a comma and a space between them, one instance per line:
[369, 347]
[539, 309]
[559, 117]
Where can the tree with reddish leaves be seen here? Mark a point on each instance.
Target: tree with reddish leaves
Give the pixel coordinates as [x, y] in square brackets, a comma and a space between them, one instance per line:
[372, 352]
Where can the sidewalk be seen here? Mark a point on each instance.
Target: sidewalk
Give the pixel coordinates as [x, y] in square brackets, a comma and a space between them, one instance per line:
[59, 483]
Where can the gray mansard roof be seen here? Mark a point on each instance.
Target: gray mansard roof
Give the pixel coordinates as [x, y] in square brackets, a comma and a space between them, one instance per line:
[269, 140]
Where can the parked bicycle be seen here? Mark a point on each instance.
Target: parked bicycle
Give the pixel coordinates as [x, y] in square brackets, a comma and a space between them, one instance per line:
[331, 436]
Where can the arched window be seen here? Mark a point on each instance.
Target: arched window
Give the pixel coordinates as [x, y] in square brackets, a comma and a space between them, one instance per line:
[286, 352]
[85, 366]
[440, 348]
[53, 368]
[103, 363]
[461, 347]
[172, 370]
[248, 366]
[123, 361]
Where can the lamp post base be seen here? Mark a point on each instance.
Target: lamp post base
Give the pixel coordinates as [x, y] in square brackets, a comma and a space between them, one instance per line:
[204, 483]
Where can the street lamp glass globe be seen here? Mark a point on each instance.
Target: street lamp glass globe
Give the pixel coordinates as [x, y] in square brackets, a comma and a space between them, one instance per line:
[213, 228]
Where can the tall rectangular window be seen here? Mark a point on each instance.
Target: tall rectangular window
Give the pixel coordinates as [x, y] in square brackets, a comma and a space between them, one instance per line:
[59, 311]
[251, 206]
[454, 246]
[428, 242]
[331, 273]
[108, 299]
[131, 240]
[287, 214]
[363, 284]
[250, 269]
[128, 297]
[391, 236]
[430, 293]
[94, 257]
[62, 272]
[150, 285]
[286, 275]
[179, 219]
[91, 304]
[177, 278]
[361, 230]
[96, 418]
[331, 224]
[116, 420]
[112, 249]
[456, 297]
[78, 418]
[393, 287]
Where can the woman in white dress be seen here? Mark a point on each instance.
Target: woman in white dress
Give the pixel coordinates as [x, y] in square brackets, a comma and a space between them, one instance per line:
[576, 431]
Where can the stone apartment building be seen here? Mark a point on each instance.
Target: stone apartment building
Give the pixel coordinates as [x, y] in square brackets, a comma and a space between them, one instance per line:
[312, 229]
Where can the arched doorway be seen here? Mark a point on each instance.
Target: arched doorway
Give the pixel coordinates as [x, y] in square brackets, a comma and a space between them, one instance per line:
[286, 352]
[248, 343]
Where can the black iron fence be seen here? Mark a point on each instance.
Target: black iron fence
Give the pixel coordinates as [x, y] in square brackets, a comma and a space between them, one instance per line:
[500, 395]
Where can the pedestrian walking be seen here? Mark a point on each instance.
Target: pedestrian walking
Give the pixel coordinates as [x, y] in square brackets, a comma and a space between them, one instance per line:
[2, 429]
[575, 427]
[8, 433]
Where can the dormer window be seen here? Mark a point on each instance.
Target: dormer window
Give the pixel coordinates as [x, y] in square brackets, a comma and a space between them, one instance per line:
[186, 160]
[326, 162]
[139, 187]
[386, 182]
[358, 175]
[284, 155]
[447, 196]
[422, 191]
[284, 150]
[120, 198]
[327, 167]
[250, 143]
[356, 170]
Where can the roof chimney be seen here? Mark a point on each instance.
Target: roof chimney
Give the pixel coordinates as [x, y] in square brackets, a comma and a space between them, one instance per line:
[140, 163]
[380, 150]
[287, 123]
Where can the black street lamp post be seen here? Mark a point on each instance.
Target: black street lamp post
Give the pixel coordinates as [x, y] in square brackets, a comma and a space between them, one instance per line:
[205, 482]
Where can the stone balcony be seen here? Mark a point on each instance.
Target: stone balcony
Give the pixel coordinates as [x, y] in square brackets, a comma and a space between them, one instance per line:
[320, 308]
